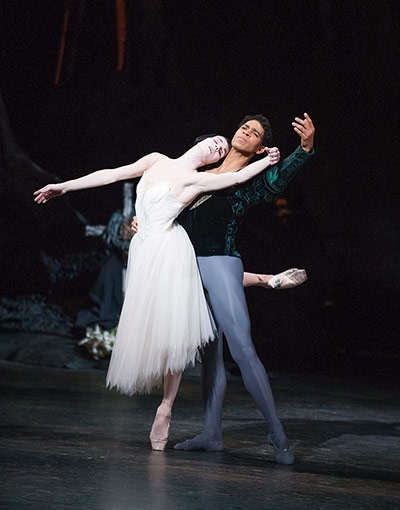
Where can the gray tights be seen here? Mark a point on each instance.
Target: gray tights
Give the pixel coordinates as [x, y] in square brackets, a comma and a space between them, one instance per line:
[222, 278]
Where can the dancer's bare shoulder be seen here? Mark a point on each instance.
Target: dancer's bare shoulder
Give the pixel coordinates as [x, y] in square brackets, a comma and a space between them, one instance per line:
[155, 157]
[160, 166]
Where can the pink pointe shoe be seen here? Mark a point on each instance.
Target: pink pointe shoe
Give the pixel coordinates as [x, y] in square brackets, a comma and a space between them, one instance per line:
[288, 279]
[159, 433]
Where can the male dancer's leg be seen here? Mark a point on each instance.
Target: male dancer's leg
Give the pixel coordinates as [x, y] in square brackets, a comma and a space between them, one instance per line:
[222, 278]
[213, 385]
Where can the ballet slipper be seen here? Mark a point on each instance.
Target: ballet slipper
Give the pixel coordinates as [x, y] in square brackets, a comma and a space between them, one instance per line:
[283, 456]
[201, 443]
[288, 279]
[159, 441]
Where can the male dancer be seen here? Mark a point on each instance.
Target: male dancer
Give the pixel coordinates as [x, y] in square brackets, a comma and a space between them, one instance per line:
[212, 223]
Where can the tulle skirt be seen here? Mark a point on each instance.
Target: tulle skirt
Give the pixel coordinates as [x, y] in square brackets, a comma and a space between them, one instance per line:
[165, 318]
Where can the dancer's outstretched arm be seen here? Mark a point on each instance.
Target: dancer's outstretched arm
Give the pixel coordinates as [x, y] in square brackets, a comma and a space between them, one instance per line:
[99, 178]
[201, 182]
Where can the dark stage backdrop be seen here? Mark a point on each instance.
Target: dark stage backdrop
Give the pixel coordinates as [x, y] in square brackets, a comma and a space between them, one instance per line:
[199, 67]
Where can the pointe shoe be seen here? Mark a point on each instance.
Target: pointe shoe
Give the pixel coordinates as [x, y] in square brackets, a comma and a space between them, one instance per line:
[159, 443]
[285, 457]
[288, 279]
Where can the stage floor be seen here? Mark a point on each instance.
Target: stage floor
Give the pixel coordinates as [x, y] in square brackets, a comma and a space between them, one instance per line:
[67, 442]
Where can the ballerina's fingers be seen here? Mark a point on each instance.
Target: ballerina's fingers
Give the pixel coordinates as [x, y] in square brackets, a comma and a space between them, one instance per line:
[274, 155]
[41, 198]
[47, 192]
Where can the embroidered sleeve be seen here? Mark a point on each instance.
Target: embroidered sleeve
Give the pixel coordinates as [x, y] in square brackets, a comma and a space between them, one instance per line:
[273, 181]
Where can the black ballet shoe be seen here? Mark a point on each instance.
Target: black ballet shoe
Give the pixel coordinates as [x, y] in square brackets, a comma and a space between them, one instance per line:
[204, 445]
[285, 457]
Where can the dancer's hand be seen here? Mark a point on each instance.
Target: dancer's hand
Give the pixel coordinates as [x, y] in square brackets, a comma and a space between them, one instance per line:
[43, 195]
[273, 155]
[134, 224]
[305, 128]
[125, 232]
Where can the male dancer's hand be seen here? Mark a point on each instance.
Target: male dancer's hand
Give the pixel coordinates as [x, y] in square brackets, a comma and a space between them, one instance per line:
[125, 232]
[134, 224]
[305, 128]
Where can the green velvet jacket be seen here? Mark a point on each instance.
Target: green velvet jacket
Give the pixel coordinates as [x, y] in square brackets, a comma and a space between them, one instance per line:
[213, 224]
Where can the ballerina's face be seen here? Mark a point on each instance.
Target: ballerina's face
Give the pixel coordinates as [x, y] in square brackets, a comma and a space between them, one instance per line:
[213, 149]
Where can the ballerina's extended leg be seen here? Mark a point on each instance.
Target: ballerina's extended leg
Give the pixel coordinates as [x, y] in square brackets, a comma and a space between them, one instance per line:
[286, 280]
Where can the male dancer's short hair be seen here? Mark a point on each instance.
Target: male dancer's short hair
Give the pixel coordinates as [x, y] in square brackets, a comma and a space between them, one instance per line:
[267, 138]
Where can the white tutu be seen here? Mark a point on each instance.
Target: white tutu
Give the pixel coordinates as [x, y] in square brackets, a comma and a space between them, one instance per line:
[165, 317]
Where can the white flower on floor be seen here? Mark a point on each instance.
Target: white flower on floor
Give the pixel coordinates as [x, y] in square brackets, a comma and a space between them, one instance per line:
[99, 342]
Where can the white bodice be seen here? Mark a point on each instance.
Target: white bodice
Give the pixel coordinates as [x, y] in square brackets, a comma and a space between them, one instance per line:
[156, 208]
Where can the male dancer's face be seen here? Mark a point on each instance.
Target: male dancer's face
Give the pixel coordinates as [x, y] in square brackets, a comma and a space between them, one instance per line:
[248, 138]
